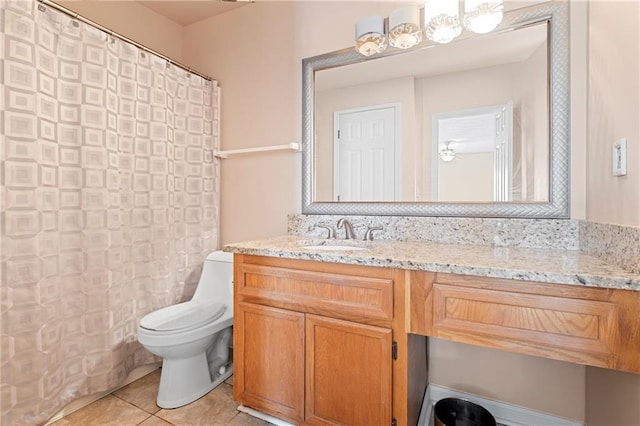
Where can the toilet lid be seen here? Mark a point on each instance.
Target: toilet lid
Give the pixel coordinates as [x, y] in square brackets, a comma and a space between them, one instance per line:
[190, 314]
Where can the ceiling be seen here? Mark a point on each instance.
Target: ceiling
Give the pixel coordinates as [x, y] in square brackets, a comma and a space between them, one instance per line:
[186, 12]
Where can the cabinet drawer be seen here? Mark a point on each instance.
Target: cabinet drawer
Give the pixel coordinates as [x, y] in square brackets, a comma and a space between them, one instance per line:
[554, 323]
[592, 326]
[364, 299]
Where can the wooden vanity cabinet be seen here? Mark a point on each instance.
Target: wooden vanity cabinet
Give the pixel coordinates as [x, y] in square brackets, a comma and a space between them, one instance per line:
[319, 343]
[314, 342]
[585, 325]
[269, 359]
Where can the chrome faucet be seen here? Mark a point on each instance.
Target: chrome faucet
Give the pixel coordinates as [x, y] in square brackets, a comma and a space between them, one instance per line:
[369, 234]
[348, 229]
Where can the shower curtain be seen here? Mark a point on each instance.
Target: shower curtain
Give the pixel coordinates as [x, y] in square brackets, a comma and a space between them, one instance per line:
[109, 203]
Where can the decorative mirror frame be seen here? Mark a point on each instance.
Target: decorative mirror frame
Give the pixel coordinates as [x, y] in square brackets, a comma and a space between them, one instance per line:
[556, 13]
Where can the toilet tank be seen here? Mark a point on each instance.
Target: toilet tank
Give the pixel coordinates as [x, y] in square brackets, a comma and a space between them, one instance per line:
[216, 280]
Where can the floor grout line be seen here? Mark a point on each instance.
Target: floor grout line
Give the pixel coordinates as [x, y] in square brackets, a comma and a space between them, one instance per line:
[172, 424]
[131, 403]
[151, 415]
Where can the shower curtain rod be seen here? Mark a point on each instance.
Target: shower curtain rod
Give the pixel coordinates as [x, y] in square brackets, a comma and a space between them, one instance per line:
[74, 15]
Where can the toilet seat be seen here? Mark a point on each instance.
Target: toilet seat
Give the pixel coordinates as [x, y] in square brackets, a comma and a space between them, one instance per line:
[183, 316]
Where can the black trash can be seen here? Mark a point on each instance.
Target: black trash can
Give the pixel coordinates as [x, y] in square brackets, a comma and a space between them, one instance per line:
[459, 412]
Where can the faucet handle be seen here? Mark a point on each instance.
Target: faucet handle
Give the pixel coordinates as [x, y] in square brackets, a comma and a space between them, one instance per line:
[331, 231]
[368, 235]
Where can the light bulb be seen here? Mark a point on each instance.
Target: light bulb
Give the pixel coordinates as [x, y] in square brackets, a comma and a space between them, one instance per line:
[482, 16]
[370, 38]
[404, 27]
[441, 19]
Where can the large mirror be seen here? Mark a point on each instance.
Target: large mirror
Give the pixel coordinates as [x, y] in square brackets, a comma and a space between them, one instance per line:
[477, 127]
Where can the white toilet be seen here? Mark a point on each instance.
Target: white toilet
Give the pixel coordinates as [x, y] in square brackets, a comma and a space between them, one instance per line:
[194, 337]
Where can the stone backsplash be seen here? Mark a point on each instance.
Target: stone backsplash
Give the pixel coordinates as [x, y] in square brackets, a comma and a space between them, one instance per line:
[533, 233]
[618, 245]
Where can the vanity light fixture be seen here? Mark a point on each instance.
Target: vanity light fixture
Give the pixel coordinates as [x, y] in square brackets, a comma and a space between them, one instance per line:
[441, 20]
[370, 35]
[447, 154]
[482, 16]
[441, 24]
[404, 27]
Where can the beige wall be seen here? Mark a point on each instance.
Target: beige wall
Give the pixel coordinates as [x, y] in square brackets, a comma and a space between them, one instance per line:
[474, 170]
[612, 397]
[132, 20]
[614, 110]
[250, 51]
[578, 15]
[534, 126]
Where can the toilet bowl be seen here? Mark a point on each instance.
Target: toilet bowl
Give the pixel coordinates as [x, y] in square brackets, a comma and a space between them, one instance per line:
[194, 338]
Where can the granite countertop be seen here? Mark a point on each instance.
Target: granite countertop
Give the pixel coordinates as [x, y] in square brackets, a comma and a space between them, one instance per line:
[525, 264]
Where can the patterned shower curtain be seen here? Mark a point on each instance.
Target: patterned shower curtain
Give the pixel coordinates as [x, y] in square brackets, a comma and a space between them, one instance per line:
[109, 204]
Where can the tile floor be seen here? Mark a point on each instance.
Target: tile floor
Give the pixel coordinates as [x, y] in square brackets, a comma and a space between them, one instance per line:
[135, 404]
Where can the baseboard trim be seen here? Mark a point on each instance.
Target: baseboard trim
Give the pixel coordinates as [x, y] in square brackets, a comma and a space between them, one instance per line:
[79, 403]
[262, 416]
[504, 413]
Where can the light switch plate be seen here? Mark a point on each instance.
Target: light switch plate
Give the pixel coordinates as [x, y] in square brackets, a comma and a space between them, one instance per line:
[619, 157]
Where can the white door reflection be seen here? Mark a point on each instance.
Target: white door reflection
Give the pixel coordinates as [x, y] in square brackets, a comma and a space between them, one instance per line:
[473, 154]
[366, 145]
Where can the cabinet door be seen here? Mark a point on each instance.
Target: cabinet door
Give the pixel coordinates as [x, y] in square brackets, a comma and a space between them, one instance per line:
[269, 360]
[348, 373]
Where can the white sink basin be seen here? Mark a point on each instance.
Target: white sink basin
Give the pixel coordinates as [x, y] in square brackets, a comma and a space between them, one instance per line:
[332, 248]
